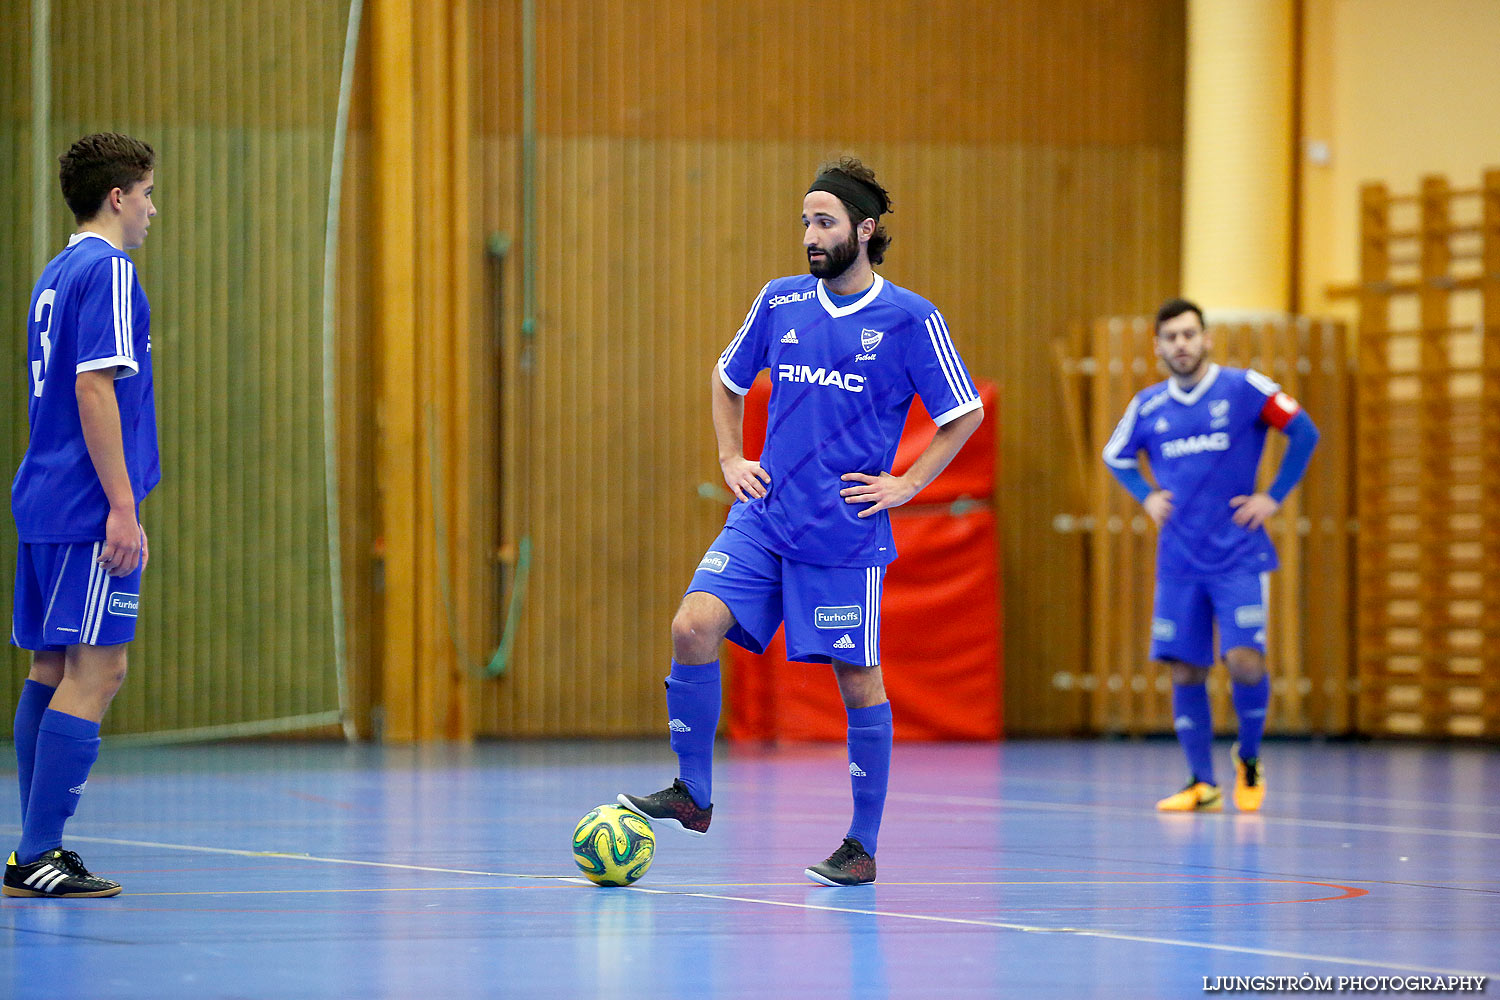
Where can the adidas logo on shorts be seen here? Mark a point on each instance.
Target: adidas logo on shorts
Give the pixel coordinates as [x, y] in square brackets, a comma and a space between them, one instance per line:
[844, 642]
[678, 726]
[790, 337]
[78, 789]
[855, 772]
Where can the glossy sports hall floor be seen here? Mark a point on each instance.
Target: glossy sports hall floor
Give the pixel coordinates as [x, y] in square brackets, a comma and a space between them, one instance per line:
[1023, 869]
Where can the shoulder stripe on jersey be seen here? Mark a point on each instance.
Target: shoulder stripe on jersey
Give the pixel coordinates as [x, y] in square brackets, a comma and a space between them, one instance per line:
[117, 307]
[958, 365]
[951, 371]
[734, 345]
[130, 310]
[123, 275]
[1123, 431]
[129, 282]
[1263, 383]
[948, 356]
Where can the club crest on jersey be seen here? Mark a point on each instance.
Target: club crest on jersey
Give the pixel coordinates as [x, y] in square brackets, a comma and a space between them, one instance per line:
[1161, 425]
[1219, 411]
[870, 339]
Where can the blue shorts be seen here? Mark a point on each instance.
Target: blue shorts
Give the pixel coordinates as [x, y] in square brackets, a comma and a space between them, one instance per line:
[831, 613]
[1182, 623]
[64, 597]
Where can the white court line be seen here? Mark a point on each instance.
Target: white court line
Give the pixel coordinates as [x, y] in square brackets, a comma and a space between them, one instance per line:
[1069, 807]
[892, 914]
[1083, 932]
[311, 857]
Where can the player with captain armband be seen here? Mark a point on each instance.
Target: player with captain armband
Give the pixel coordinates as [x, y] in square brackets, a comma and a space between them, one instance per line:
[1203, 430]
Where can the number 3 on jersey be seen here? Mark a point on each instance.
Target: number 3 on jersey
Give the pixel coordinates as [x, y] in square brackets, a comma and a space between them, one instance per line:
[39, 368]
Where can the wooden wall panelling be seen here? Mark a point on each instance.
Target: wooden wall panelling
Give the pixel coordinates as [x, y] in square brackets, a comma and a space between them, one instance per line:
[234, 637]
[1326, 500]
[1485, 681]
[16, 266]
[1426, 461]
[1029, 189]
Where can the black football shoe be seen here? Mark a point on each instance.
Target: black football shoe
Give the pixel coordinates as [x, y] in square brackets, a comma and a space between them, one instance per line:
[851, 864]
[58, 874]
[673, 806]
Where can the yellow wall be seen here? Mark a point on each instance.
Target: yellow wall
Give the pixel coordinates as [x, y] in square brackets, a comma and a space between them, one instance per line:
[1397, 89]
[1237, 154]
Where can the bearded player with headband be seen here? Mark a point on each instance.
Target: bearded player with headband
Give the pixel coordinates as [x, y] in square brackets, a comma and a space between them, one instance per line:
[809, 537]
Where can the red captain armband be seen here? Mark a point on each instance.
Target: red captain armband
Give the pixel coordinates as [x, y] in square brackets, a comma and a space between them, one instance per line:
[1280, 410]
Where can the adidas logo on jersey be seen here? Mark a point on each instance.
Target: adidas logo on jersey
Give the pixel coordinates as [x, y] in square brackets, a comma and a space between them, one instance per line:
[678, 726]
[844, 642]
[78, 789]
[790, 337]
[855, 772]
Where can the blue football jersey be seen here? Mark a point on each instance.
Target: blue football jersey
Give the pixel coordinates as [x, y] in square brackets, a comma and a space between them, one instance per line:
[842, 380]
[1205, 445]
[87, 313]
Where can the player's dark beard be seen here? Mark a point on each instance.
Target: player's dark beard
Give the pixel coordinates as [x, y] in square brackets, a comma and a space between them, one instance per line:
[1193, 366]
[837, 260]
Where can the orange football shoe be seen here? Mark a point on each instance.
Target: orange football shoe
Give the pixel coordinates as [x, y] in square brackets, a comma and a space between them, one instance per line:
[1249, 782]
[1198, 796]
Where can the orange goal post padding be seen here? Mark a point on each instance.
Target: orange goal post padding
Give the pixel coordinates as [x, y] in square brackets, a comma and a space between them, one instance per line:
[940, 614]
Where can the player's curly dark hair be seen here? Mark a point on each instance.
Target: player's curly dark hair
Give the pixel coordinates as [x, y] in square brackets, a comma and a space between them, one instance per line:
[97, 164]
[855, 170]
[1172, 308]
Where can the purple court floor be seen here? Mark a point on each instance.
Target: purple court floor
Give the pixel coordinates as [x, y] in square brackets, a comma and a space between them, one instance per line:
[1021, 869]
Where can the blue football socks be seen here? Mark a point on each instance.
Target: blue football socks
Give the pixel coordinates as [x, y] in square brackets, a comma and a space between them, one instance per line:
[1250, 701]
[66, 748]
[1195, 728]
[35, 696]
[870, 736]
[693, 697]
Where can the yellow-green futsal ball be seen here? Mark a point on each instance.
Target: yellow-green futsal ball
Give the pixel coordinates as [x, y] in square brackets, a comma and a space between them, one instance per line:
[613, 846]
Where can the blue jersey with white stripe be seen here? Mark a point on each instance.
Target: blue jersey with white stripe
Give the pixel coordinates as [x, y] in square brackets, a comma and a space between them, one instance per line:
[1204, 445]
[88, 313]
[842, 381]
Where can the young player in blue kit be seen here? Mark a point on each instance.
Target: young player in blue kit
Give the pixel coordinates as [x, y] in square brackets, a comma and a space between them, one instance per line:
[91, 460]
[1204, 430]
[808, 541]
